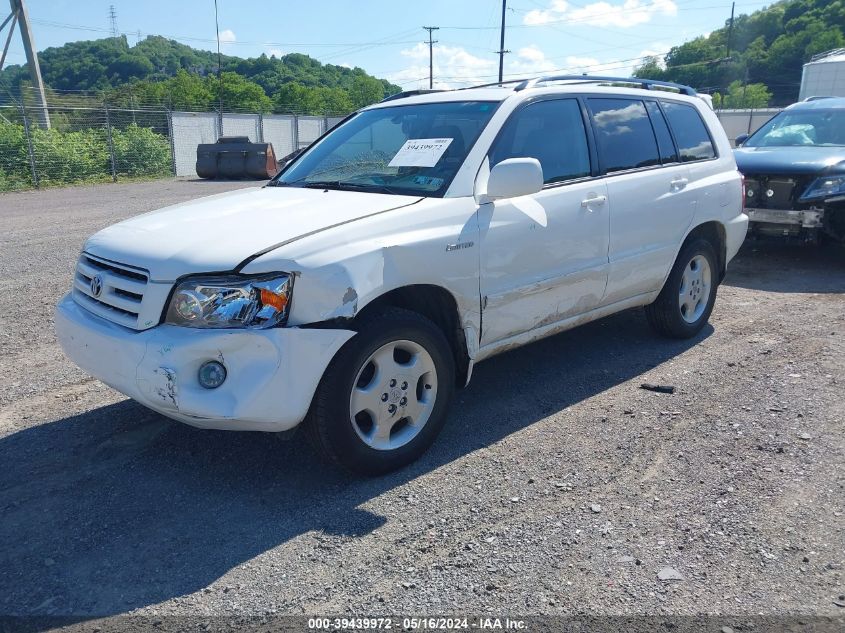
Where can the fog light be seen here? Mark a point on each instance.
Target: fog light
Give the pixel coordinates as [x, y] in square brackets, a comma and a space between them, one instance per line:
[211, 374]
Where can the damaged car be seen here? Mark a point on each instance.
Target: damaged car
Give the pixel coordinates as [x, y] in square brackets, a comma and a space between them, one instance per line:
[356, 291]
[794, 169]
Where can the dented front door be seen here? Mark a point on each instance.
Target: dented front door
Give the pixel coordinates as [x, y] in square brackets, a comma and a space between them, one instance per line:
[543, 258]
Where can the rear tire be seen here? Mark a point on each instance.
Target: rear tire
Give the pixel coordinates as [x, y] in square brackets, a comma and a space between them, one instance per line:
[384, 397]
[684, 305]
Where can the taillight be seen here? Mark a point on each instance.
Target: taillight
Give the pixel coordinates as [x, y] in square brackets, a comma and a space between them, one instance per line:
[743, 192]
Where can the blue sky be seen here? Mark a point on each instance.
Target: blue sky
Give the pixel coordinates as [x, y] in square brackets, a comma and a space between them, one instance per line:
[385, 37]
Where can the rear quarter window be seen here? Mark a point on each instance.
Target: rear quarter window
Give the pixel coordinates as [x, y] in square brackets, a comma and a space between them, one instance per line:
[691, 135]
[624, 134]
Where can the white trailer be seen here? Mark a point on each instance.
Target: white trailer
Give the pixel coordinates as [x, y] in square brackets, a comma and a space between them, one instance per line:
[824, 75]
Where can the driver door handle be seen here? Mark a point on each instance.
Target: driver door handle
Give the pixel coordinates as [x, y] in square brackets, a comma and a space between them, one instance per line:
[678, 183]
[593, 201]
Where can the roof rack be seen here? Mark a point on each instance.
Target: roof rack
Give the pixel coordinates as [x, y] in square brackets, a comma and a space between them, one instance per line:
[645, 84]
[492, 84]
[522, 84]
[818, 98]
[410, 93]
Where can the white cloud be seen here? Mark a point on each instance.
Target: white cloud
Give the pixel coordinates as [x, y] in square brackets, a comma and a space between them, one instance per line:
[554, 12]
[453, 67]
[227, 37]
[581, 64]
[625, 14]
[528, 61]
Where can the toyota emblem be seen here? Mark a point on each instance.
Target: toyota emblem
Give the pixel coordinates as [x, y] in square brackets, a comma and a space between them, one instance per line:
[96, 285]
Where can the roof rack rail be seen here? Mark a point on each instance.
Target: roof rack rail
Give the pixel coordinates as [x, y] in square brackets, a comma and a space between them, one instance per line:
[496, 83]
[818, 98]
[410, 93]
[645, 84]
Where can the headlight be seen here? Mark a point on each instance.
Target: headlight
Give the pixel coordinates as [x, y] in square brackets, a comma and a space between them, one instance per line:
[231, 302]
[825, 187]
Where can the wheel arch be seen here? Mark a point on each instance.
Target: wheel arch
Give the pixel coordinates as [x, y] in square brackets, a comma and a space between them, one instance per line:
[714, 232]
[438, 305]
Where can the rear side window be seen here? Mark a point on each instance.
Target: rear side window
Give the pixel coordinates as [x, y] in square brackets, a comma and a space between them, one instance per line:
[624, 134]
[551, 131]
[661, 131]
[690, 132]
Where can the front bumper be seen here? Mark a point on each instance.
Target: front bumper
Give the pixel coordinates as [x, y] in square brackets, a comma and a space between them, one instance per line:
[807, 218]
[271, 374]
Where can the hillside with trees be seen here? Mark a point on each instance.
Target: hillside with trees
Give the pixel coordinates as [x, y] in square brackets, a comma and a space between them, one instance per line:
[762, 63]
[165, 73]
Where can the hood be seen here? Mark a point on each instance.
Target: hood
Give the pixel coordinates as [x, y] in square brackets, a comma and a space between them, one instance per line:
[216, 233]
[790, 160]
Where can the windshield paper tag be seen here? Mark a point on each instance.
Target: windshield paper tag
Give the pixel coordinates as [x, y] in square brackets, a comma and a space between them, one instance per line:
[420, 152]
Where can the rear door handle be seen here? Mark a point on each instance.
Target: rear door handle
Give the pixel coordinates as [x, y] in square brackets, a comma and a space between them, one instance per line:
[593, 201]
[679, 183]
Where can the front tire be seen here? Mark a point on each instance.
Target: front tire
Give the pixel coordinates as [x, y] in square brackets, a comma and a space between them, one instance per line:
[384, 397]
[684, 305]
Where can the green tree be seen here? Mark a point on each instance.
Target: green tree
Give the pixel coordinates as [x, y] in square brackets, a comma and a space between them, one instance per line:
[239, 93]
[743, 96]
[133, 74]
[365, 91]
[296, 98]
[770, 45]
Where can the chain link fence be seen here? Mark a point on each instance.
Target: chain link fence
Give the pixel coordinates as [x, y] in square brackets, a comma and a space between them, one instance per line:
[101, 144]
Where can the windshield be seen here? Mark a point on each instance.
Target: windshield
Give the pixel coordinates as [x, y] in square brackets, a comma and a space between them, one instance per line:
[825, 128]
[409, 150]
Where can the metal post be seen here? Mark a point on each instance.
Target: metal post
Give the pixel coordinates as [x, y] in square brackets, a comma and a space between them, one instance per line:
[295, 132]
[260, 127]
[730, 31]
[32, 61]
[30, 151]
[172, 143]
[502, 50]
[14, 18]
[219, 72]
[111, 144]
[431, 44]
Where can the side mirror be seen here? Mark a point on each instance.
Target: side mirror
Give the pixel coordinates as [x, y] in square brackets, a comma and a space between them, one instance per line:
[515, 177]
[739, 140]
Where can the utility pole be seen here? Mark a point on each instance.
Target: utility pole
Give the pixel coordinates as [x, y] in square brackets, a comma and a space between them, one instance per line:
[731, 29]
[21, 16]
[502, 50]
[219, 74]
[431, 44]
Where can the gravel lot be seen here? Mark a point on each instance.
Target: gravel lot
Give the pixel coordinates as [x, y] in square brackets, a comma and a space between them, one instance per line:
[558, 486]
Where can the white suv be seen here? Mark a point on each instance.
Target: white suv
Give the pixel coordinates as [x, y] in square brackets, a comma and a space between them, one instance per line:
[423, 234]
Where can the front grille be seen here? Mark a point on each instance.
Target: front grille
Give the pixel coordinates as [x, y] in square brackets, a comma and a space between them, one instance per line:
[118, 293]
[773, 192]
